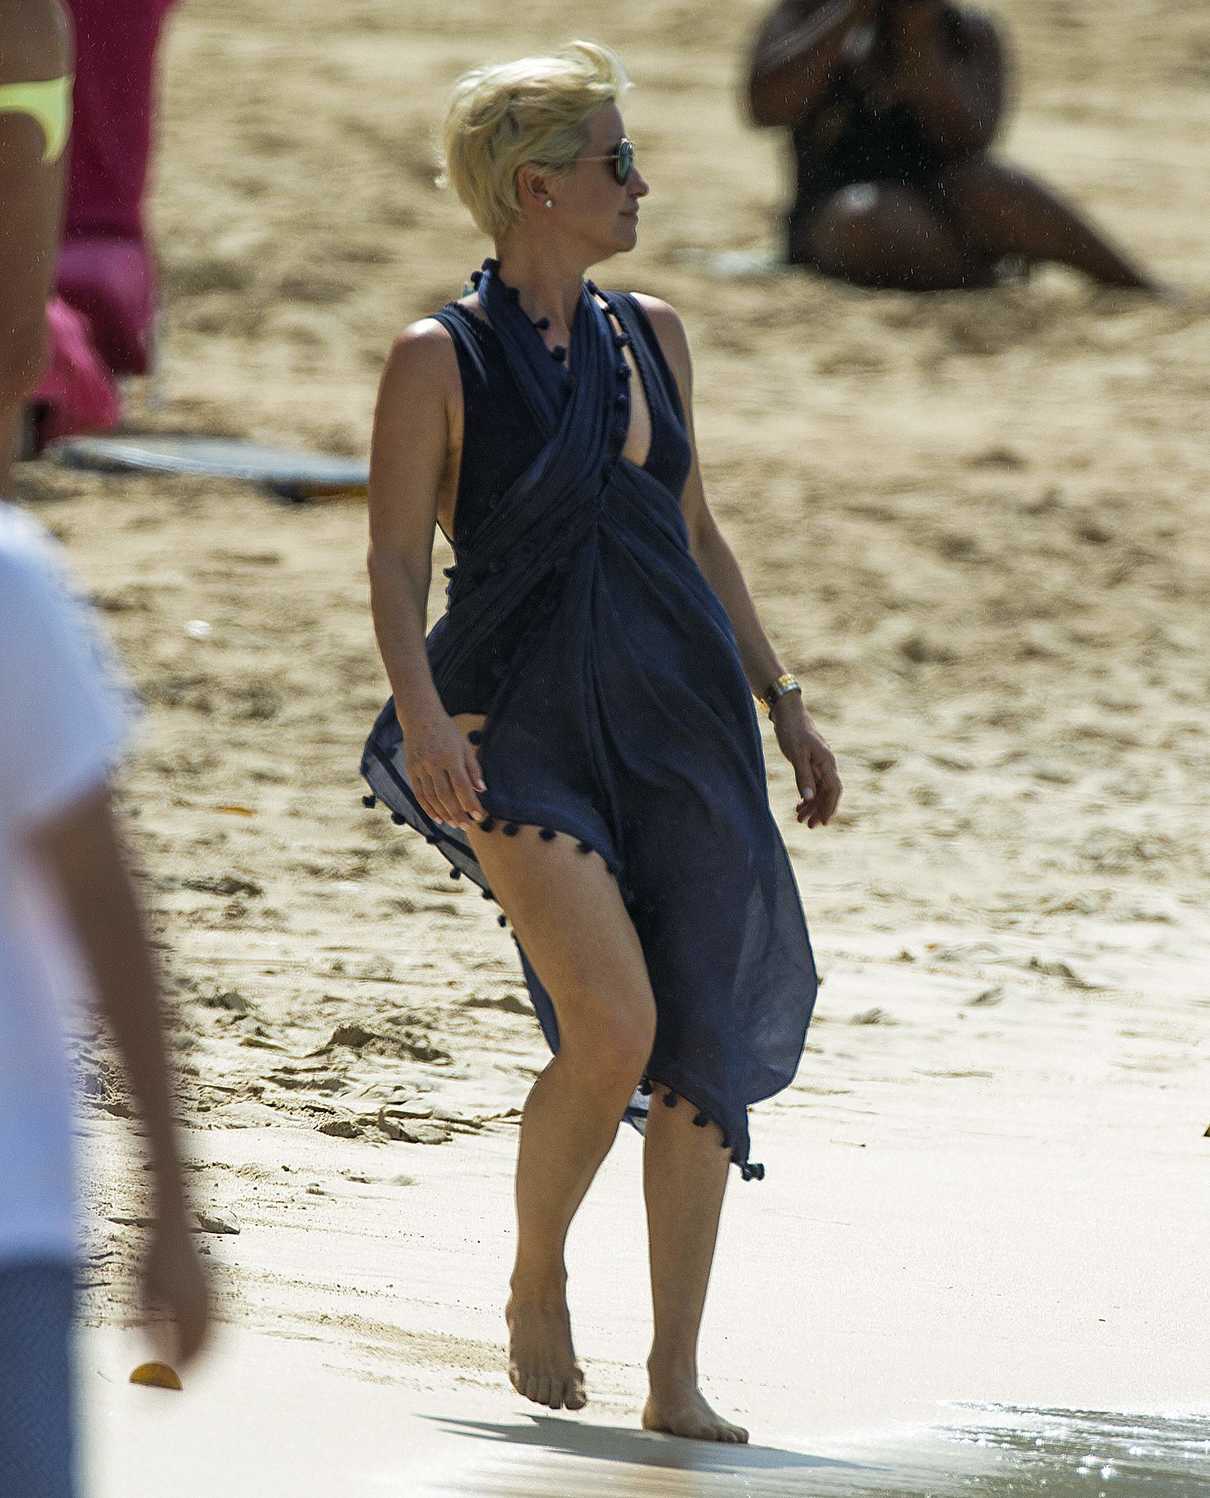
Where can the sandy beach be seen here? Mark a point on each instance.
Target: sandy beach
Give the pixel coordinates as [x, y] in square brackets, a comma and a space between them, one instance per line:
[977, 527]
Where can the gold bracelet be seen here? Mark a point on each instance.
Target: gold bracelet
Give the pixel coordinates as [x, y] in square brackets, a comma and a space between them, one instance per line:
[776, 690]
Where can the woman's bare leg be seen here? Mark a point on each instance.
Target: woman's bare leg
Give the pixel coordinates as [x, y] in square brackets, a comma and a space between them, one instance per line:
[568, 915]
[997, 210]
[684, 1177]
[886, 235]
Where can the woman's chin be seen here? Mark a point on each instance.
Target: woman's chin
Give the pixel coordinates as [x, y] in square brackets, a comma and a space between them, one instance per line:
[620, 244]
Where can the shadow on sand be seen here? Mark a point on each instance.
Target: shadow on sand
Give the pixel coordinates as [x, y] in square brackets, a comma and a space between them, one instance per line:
[561, 1457]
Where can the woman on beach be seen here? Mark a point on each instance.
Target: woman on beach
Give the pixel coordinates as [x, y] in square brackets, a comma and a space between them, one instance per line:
[578, 732]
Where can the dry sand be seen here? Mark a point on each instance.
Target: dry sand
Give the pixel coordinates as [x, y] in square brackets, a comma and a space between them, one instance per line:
[977, 527]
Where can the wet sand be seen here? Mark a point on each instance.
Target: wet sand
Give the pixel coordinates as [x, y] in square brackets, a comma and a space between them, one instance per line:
[402, 1443]
[977, 527]
[972, 1315]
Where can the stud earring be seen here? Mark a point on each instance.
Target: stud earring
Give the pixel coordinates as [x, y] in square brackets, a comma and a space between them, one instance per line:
[550, 203]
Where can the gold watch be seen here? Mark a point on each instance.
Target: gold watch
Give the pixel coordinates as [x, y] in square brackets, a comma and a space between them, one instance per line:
[779, 688]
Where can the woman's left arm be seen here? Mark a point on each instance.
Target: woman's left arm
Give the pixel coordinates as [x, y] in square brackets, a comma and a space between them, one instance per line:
[950, 70]
[798, 738]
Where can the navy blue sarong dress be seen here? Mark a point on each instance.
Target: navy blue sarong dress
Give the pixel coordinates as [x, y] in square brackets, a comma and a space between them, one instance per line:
[617, 708]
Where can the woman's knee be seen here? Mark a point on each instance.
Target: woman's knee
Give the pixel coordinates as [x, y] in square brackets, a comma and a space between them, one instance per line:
[609, 1042]
[574, 927]
[876, 233]
[843, 234]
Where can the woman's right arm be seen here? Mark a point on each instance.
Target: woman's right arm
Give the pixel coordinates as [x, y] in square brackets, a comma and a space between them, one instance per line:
[797, 49]
[408, 458]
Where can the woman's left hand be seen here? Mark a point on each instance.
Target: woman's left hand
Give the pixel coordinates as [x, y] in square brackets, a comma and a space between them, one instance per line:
[814, 763]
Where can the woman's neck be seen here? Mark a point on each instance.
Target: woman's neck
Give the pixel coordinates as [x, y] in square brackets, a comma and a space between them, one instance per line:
[548, 284]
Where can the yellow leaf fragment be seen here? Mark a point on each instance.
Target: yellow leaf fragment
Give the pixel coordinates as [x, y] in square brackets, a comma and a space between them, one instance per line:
[156, 1376]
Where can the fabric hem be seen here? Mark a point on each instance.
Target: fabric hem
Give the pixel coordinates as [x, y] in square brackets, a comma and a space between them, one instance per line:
[457, 849]
[749, 1170]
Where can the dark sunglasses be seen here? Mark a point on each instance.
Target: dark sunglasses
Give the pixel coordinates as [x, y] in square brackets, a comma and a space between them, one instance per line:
[622, 157]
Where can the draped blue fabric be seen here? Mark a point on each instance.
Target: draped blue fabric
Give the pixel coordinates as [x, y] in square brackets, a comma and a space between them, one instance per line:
[621, 717]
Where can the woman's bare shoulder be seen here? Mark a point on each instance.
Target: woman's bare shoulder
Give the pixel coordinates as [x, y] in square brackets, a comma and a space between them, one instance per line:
[422, 353]
[667, 326]
[658, 310]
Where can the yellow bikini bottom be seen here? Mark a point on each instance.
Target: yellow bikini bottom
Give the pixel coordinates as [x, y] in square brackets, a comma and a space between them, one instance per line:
[49, 103]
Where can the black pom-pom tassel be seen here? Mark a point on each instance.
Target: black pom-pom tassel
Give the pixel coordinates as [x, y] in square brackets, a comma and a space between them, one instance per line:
[398, 818]
[501, 920]
[511, 829]
[486, 894]
[475, 736]
[670, 1099]
[369, 802]
[645, 1086]
[584, 847]
[548, 834]
[488, 824]
[455, 873]
[701, 1120]
[558, 353]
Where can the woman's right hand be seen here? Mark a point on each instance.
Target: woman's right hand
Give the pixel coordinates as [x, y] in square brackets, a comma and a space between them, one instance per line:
[443, 769]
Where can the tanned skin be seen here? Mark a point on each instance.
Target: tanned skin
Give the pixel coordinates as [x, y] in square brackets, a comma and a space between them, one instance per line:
[953, 230]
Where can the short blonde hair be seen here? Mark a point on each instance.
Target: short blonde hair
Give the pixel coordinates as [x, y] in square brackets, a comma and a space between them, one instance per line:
[532, 111]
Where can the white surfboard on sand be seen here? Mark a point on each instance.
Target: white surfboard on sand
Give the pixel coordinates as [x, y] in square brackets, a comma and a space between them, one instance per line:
[287, 472]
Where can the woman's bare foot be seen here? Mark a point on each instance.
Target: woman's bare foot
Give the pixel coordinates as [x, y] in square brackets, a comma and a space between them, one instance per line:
[678, 1408]
[541, 1359]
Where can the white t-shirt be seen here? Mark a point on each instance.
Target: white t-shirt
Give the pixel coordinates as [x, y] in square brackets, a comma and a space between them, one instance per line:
[64, 716]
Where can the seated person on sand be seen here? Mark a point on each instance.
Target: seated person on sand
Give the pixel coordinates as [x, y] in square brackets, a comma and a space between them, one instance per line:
[892, 107]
